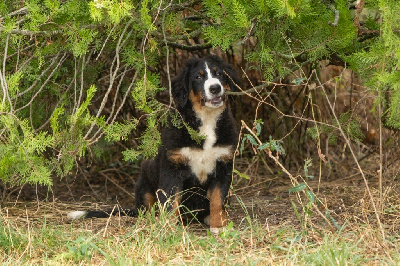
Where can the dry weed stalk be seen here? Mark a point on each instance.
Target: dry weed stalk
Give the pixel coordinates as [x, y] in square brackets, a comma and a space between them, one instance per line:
[347, 140]
[292, 178]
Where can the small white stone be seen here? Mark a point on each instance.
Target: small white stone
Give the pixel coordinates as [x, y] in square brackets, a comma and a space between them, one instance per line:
[76, 215]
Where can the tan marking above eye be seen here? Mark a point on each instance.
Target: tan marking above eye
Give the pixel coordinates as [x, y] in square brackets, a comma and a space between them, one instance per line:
[202, 72]
[214, 69]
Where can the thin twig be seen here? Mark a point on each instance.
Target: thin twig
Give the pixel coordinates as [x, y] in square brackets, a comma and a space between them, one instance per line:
[94, 140]
[167, 63]
[254, 89]
[4, 82]
[116, 184]
[190, 48]
[104, 44]
[112, 107]
[23, 10]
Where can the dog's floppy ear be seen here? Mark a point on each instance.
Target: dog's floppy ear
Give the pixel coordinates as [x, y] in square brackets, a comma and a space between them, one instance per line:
[180, 87]
[232, 77]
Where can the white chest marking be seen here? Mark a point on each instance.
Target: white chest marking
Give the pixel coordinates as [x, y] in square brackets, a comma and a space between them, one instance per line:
[203, 161]
[209, 120]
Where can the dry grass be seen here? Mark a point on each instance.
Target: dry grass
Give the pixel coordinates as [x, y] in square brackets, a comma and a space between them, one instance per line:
[264, 230]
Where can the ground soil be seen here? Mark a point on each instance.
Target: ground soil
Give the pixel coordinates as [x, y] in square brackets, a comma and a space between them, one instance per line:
[265, 197]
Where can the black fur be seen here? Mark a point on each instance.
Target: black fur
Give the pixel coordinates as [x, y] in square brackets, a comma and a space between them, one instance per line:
[164, 178]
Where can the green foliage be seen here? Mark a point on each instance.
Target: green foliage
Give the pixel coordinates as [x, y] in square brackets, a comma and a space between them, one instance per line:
[149, 142]
[20, 161]
[177, 121]
[120, 131]
[271, 145]
[71, 67]
[232, 22]
[378, 62]
[111, 11]
[144, 91]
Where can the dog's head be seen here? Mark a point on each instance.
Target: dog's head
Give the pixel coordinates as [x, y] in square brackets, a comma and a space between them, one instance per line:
[205, 80]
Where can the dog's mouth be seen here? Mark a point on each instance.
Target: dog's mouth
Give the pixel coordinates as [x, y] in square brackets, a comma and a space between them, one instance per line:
[216, 101]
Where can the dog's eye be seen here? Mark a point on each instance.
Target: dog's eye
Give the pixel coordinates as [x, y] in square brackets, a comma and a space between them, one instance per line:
[218, 74]
[199, 77]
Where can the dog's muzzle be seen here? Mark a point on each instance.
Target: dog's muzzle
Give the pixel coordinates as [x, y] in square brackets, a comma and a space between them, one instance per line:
[216, 97]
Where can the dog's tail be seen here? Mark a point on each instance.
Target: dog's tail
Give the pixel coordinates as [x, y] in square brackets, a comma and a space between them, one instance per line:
[102, 214]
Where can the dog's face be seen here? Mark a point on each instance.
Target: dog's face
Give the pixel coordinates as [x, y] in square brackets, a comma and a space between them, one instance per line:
[205, 81]
[209, 82]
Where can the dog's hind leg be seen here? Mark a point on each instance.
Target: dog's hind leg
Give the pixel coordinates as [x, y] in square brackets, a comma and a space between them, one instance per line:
[170, 198]
[144, 193]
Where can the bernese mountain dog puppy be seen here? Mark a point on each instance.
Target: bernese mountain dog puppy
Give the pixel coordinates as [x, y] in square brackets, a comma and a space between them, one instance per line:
[191, 176]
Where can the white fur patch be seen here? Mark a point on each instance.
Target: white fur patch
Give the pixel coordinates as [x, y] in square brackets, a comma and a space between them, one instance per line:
[207, 84]
[76, 215]
[209, 118]
[214, 230]
[203, 161]
[207, 220]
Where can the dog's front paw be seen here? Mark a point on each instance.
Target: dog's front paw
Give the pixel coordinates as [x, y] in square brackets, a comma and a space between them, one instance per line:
[215, 230]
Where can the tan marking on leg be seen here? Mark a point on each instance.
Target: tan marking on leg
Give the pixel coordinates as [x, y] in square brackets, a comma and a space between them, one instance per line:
[148, 200]
[175, 206]
[218, 216]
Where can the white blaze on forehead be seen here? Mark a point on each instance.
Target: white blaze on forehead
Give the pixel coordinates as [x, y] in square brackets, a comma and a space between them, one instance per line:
[209, 82]
[209, 75]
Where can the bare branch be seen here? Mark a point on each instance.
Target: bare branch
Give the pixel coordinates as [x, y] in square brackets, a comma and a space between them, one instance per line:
[98, 135]
[254, 89]
[23, 10]
[190, 47]
[3, 78]
[121, 41]
[188, 36]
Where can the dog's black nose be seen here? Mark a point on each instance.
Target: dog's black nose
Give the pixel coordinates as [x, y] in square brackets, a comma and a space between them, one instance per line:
[215, 88]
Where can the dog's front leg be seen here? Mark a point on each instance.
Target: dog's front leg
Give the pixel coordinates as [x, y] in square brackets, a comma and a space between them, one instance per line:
[218, 215]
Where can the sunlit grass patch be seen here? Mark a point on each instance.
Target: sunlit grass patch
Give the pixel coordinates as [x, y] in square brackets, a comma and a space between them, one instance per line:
[158, 237]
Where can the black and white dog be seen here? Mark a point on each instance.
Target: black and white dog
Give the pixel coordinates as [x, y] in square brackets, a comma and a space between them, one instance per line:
[192, 176]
